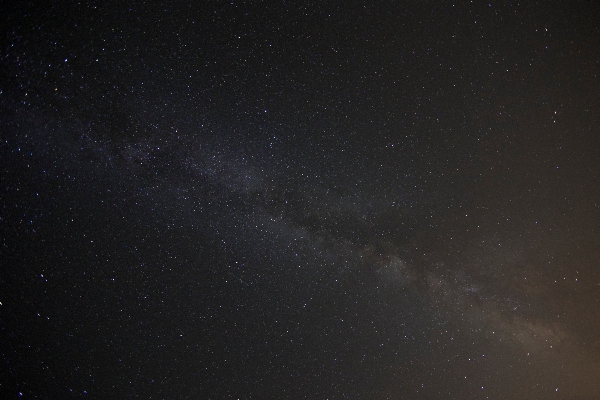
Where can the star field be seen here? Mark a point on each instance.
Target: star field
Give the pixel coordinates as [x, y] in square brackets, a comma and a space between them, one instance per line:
[397, 200]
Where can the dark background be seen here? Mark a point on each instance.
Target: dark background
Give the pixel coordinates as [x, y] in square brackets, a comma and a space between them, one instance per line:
[298, 200]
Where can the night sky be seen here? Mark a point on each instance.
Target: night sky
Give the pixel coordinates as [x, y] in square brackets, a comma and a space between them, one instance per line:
[300, 200]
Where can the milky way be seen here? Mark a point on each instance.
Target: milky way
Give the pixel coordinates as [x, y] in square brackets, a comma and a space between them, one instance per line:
[242, 201]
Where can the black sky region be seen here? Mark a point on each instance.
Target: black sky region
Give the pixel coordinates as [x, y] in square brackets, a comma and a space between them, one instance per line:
[300, 200]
